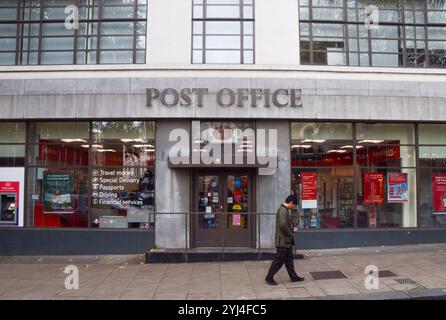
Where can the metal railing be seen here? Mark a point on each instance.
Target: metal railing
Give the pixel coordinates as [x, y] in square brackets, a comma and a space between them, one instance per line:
[222, 230]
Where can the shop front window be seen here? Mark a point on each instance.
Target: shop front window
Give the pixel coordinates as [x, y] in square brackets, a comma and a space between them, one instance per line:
[386, 177]
[366, 181]
[123, 174]
[12, 148]
[322, 174]
[58, 197]
[432, 161]
[122, 197]
[58, 185]
[98, 174]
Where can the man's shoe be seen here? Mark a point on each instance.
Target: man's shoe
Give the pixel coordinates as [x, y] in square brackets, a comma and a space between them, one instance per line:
[298, 279]
[271, 282]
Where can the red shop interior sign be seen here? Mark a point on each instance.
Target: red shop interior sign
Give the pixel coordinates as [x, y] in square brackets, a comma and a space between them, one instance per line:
[373, 188]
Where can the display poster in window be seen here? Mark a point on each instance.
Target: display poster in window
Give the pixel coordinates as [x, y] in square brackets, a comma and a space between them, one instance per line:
[236, 219]
[439, 193]
[373, 188]
[9, 202]
[58, 192]
[397, 188]
[309, 190]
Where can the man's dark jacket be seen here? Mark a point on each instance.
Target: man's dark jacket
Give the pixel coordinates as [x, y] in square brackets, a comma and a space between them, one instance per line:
[284, 234]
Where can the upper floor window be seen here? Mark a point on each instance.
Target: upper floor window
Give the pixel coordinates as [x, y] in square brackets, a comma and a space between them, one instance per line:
[407, 33]
[223, 31]
[34, 32]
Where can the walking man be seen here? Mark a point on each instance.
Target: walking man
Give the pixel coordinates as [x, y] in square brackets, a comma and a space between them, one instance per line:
[284, 242]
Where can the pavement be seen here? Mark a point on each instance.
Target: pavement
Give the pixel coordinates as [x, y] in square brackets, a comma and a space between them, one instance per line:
[420, 268]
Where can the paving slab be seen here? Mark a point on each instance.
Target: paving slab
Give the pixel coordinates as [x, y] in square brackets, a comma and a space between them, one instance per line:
[124, 277]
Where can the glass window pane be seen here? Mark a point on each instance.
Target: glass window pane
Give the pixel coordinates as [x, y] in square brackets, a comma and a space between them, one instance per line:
[58, 43]
[321, 131]
[133, 131]
[70, 132]
[223, 56]
[222, 11]
[248, 42]
[116, 57]
[385, 60]
[57, 57]
[432, 133]
[58, 198]
[7, 58]
[12, 155]
[379, 155]
[128, 154]
[117, 42]
[197, 56]
[198, 27]
[432, 156]
[223, 27]
[198, 42]
[333, 207]
[118, 12]
[8, 30]
[122, 197]
[7, 44]
[248, 28]
[56, 29]
[66, 154]
[432, 197]
[13, 132]
[117, 28]
[379, 205]
[248, 56]
[248, 12]
[223, 42]
[385, 133]
[198, 12]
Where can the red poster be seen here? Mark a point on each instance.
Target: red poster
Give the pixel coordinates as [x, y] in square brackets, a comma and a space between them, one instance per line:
[373, 188]
[309, 190]
[439, 193]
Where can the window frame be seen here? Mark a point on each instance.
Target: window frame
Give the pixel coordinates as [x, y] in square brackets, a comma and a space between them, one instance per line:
[23, 51]
[421, 57]
[202, 50]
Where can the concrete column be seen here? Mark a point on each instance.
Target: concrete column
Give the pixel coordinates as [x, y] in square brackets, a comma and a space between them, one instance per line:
[271, 190]
[172, 191]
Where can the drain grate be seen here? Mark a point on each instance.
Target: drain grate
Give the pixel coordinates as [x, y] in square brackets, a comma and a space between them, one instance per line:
[405, 281]
[327, 275]
[386, 274]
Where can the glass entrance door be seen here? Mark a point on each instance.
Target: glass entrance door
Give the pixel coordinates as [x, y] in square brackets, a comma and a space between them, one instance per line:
[223, 210]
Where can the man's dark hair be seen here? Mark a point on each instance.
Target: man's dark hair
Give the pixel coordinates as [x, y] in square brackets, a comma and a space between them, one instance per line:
[292, 198]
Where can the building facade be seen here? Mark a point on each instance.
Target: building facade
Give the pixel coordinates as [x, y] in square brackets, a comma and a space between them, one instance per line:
[179, 124]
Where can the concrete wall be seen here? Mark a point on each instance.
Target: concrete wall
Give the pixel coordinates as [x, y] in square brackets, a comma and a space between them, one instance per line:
[271, 190]
[323, 99]
[169, 32]
[276, 32]
[172, 191]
